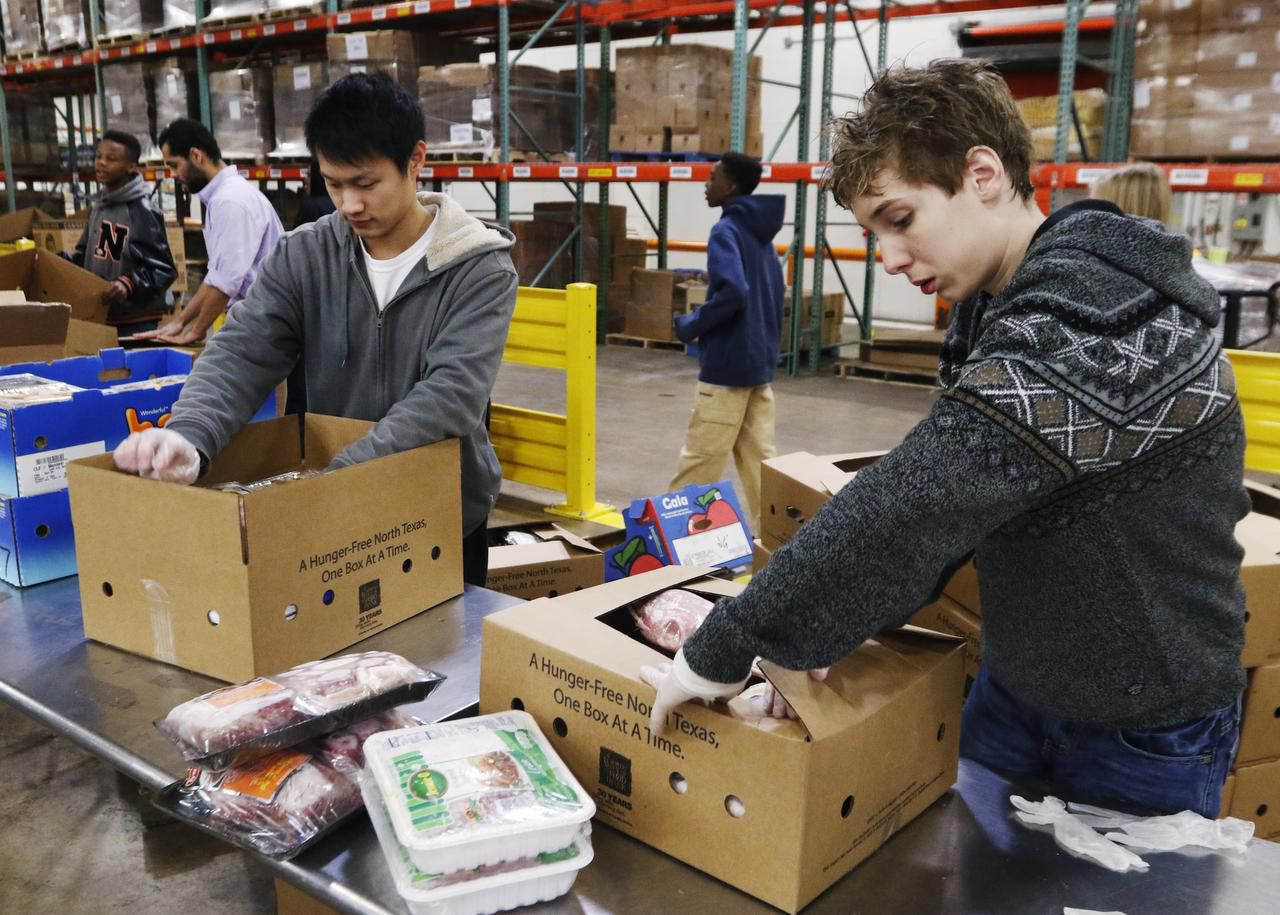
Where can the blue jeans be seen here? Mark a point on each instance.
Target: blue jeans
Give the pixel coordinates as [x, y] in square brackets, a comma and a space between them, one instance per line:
[1158, 771]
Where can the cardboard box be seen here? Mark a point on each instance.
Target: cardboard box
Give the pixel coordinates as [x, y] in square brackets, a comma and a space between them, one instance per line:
[41, 332]
[178, 248]
[1260, 726]
[378, 45]
[794, 486]
[696, 526]
[58, 235]
[832, 307]
[963, 588]
[275, 577]
[816, 795]
[37, 441]
[760, 556]
[1228, 792]
[45, 277]
[1236, 14]
[561, 563]
[1161, 52]
[19, 224]
[657, 296]
[946, 616]
[1238, 49]
[36, 539]
[1255, 796]
[1260, 573]
[1176, 16]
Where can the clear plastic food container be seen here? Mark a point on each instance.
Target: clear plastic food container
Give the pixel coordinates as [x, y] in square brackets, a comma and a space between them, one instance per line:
[476, 792]
[493, 888]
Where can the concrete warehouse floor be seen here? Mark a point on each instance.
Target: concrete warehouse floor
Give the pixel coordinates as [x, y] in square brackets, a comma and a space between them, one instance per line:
[70, 844]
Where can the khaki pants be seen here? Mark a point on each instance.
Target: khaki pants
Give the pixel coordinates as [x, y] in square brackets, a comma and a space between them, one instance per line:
[737, 420]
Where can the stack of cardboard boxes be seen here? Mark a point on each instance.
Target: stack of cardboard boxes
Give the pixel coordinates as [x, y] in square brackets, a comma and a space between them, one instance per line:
[460, 102]
[125, 102]
[64, 24]
[656, 297]
[391, 51]
[1041, 115]
[677, 98]
[296, 88]
[794, 486]
[133, 18]
[832, 319]
[23, 36]
[33, 130]
[242, 112]
[1206, 79]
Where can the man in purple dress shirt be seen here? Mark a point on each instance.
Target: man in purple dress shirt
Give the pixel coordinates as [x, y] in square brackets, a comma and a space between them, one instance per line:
[240, 228]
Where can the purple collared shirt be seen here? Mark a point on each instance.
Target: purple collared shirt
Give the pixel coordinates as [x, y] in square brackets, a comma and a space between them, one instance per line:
[240, 229]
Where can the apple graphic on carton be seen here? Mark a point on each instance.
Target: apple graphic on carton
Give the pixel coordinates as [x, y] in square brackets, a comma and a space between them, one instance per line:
[716, 512]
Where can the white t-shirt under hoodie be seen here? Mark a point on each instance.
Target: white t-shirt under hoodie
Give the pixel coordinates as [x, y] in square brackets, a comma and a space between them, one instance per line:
[386, 277]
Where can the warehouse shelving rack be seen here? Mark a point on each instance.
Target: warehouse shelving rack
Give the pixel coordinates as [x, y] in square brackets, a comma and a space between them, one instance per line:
[513, 27]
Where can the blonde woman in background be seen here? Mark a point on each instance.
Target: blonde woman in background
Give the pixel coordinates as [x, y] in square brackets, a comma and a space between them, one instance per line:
[1140, 189]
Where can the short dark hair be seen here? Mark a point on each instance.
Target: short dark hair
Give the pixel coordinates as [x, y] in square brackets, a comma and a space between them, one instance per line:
[184, 135]
[127, 140]
[364, 116]
[922, 122]
[743, 170]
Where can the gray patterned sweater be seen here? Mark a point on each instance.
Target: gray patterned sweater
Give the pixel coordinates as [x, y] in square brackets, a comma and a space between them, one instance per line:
[1088, 446]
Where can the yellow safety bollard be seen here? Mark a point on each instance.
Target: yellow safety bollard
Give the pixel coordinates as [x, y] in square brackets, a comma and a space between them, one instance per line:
[1258, 387]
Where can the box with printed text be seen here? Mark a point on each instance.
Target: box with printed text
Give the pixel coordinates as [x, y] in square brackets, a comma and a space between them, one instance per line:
[269, 576]
[699, 525]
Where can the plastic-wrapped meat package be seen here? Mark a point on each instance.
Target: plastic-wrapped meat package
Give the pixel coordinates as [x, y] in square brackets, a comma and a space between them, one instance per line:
[236, 724]
[669, 618]
[281, 803]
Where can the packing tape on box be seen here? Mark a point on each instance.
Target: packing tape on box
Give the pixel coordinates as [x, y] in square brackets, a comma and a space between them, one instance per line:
[158, 608]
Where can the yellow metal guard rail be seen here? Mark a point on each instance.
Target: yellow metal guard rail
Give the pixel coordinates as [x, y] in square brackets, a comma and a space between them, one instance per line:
[554, 329]
[1258, 386]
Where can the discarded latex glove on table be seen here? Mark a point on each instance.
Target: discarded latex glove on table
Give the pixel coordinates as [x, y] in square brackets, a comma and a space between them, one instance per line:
[1076, 830]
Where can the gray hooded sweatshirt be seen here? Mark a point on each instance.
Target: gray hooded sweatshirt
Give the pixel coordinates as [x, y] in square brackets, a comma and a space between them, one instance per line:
[422, 369]
[1089, 447]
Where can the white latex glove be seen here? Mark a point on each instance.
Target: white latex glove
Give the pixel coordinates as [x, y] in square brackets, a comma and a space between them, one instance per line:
[159, 454]
[676, 684]
[774, 705]
[1168, 833]
[1074, 836]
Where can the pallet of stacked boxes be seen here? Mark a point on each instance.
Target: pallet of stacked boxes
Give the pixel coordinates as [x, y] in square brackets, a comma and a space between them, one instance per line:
[593, 148]
[23, 35]
[33, 130]
[625, 254]
[678, 99]
[258, 10]
[390, 51]
[174, 91]
[64, 24]
[123, 19]
[1206, 82]
[242, 112]
[459, 101]
[297, 86]
[125, 99]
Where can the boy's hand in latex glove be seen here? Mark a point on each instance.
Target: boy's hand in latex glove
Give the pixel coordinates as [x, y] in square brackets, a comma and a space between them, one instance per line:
[159, 454]
[676, 684]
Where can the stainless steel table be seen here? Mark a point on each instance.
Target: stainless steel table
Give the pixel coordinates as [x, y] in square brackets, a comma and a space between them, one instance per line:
[964, 855]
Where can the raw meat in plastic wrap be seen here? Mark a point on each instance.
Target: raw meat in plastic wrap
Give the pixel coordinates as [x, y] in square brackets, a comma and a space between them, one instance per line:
[669, 618]
[281, 803]
[237, 724]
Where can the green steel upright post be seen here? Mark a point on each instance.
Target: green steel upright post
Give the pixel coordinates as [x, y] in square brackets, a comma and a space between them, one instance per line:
[1066, 85]
[869, 268]
[504, 109]
[820, 210]
[97, 65]
[664, 206]
[738, 103]
[1115, 137]
[601, 138]
[10, 189]
[202, 70]
[796, 333]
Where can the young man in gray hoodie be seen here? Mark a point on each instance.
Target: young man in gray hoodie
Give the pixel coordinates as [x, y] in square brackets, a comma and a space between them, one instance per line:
[124, 241]
[398, 305]
[1087, 445]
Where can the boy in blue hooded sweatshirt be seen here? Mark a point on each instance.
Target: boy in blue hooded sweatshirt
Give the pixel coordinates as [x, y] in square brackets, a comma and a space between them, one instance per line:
[737, 330]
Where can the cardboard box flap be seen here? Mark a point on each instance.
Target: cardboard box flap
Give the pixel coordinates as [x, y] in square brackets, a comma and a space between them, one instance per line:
[506, 557]
[85, 338]
[258, 451]
[546, 533]
[821, 711]
[715, 588]
[325, 436]
[34, 324]
[12, 297]
[1266, 499]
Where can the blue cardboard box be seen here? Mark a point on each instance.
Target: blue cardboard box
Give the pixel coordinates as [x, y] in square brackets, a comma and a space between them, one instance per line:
[697, 526]
[36, 541]
[122, 395]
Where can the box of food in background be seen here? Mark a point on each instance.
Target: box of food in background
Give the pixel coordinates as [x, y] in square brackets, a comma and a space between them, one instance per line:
[1175, 16]
[541, 560]
[58, 235]
[657, 296]
[36, 541]
[698, 525]
[1260, 724]
[1255, 796]
[945, 615]
[813, 793]
[1259, 534]
[270, 576]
